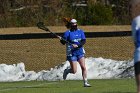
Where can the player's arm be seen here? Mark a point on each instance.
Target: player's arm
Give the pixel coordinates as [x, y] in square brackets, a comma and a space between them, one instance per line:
[83, 41]
[65, 36]
[62, 41]
[137, 42]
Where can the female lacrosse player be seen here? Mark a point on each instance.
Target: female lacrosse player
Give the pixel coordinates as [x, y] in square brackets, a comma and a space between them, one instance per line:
[74, 50]
[136, 37]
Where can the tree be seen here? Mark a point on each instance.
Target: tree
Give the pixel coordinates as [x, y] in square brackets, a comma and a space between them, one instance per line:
[121, 11]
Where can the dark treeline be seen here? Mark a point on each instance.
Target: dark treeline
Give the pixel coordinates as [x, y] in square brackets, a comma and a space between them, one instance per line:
[23, 13]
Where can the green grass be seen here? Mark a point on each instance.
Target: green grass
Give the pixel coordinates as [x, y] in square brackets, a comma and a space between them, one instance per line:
[76, 86]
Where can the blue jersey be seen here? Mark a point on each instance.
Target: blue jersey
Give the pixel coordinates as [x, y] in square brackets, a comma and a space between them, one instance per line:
[74, 37]
[136, 31]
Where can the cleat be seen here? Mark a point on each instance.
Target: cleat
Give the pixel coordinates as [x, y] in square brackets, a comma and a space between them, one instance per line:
[66, 72]
[87, 85]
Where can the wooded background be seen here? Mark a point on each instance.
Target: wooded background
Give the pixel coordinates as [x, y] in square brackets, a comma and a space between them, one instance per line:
[25, 13]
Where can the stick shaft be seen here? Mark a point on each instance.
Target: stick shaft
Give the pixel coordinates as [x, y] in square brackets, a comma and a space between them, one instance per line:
[43, 27]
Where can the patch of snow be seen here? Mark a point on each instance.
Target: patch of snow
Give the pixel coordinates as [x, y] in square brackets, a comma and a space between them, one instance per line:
[97, 68]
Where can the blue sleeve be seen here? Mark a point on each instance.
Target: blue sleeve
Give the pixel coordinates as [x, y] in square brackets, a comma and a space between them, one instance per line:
[82, 35]
[65, 37]
[83, 39]
[138, 36]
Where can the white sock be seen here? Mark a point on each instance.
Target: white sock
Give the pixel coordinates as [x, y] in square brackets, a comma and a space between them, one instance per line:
[85, 80]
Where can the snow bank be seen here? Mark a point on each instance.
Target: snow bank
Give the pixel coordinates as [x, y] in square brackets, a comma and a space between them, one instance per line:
[98, 68]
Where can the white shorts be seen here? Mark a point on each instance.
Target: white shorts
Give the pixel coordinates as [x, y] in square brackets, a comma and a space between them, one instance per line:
[137, 55]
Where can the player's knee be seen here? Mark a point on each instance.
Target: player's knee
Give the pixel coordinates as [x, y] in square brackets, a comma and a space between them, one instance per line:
[137, 68]
[74, 71]
[83, 68]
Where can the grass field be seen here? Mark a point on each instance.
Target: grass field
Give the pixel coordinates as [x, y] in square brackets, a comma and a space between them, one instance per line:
[98, 86]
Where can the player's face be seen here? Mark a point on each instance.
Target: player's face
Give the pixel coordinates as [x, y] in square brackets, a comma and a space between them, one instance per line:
[74, 26]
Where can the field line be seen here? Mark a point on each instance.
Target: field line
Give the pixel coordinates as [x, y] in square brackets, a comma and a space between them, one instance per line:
[18, 87]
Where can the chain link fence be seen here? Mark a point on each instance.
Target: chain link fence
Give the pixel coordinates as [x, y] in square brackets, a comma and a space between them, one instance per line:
[45, 53]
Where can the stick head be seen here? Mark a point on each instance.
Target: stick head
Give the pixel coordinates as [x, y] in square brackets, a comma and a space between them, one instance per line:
[41, 25]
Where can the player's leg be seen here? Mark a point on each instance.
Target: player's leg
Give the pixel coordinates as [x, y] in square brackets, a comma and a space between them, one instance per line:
[73, 66]
[137, 75]
[137, 68]
[84, 71]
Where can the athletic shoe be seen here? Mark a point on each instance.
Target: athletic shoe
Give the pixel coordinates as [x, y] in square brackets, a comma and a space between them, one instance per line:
[66, 72]
[87, 84]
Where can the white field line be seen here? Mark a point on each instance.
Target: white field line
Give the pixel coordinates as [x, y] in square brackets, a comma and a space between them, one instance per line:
[18, 87]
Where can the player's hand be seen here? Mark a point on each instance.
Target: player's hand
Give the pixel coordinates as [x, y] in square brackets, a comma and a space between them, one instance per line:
[75, 46]
[59, 37]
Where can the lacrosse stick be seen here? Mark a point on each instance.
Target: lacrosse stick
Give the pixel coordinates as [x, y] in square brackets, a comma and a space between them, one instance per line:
[42, 26]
